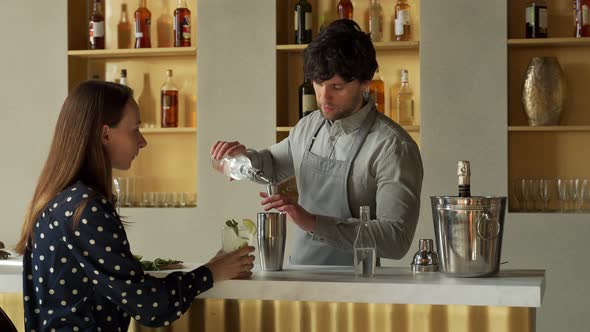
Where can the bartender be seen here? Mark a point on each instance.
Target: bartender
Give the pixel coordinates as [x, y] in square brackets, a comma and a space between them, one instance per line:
[343, 155]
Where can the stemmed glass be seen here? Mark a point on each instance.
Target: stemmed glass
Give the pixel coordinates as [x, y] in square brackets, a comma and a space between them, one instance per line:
[545, 191]
[582, 194]
[573, 189]
[517, 189]
[563, 193]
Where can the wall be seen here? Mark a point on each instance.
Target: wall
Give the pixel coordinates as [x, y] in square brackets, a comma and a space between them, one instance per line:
[32, 89]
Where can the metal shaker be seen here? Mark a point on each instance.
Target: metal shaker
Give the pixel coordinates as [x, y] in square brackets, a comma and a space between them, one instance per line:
[271, 236]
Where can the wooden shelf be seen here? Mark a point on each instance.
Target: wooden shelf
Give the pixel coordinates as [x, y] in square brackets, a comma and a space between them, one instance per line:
[380, 46]
[406, 128]
[134, 53]
[168, 130]
[549, 42]
[548, 128]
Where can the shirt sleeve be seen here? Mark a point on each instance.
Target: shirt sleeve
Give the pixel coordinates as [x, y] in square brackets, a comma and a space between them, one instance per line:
[398, 175]
[99, 243]
[275, 162]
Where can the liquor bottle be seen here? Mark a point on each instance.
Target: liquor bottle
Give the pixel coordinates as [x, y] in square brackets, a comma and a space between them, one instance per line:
[169, 102]
[307, 100]
[377, 91]
[536, 19]
[182, 25]
[123, 79]
[405, 101]
[345, 9]
[124, 29]
[96, 28]
[143, 23]
[581, 18]
[376, 21]
[302, 22]
[402, 29]
[364, 248]
[464, 173]
[238, 167]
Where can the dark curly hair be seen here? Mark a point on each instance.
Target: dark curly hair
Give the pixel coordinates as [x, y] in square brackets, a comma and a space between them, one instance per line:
[341, 48]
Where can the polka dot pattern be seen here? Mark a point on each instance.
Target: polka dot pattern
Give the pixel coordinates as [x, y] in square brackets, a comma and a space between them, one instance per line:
[84, 276]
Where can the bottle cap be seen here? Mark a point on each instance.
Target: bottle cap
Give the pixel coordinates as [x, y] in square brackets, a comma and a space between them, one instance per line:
[123, 72]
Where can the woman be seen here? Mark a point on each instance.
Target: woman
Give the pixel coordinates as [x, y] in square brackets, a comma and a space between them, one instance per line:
[79, 273]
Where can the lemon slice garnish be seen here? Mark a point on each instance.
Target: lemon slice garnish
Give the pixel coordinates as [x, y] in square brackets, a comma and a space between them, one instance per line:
[250, 226]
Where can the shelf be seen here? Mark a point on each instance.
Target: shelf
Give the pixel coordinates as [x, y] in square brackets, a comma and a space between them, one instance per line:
[548, 128]
[380, 46]
[549, 42]
[406, 128]
[134, 53]
[168, 130]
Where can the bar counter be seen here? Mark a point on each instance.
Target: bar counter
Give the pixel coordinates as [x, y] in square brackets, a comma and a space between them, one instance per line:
[306, 298]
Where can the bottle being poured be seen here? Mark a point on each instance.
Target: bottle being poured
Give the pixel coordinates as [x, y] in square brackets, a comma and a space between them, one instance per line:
[238, 167]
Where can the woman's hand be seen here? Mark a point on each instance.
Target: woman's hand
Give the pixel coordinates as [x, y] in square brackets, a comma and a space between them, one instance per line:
[236, 264]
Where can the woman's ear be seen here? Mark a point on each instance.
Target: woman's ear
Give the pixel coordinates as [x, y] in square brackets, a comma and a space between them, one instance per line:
[105, 135]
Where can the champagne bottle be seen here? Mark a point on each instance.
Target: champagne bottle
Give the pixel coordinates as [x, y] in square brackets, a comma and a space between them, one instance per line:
[302, 22]
[464, 173]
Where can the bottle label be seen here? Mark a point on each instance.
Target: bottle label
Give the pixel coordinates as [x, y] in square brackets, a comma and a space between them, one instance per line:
[399, 27]
[96, 30]
[138, 34]
[186, 27]
[375, 24]
[585, 20]
[542, 18]
[404, 15]
[308, 103]
[530, 15]
[306, 19]
[166, 102]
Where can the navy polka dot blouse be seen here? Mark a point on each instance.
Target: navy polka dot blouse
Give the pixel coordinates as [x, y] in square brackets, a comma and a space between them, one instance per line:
[85, 278]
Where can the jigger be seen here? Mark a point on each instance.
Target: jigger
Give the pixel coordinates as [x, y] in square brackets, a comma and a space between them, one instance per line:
[271, 233]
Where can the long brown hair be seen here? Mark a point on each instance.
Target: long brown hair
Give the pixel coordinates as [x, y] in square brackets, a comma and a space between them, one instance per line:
[76, 151]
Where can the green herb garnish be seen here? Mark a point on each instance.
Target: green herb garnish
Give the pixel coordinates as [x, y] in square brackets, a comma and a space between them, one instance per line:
[234, 225]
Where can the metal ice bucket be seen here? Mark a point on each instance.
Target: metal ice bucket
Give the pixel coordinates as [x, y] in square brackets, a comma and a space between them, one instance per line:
[271, 236]
[468, 232]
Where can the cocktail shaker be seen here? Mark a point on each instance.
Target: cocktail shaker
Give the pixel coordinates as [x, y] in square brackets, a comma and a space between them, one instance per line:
[271, 236]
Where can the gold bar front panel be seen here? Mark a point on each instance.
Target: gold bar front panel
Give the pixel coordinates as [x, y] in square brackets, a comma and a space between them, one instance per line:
[213, 315]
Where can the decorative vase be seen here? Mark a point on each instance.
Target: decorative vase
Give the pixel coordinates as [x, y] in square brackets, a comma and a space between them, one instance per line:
[543, 91]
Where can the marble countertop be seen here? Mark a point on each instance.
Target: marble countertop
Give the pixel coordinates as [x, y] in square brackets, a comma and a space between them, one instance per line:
[514, 288]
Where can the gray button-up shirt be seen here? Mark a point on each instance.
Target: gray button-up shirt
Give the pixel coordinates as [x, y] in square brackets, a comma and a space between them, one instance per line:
[386, 175]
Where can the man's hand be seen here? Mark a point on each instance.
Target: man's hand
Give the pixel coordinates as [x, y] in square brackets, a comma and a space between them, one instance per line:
[305, 220]
[221, 148]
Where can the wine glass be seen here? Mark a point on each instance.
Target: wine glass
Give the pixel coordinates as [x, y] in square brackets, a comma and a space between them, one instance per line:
[517, 190]
[573, 189]
[545, 191]
[563, 193]
[582, 194]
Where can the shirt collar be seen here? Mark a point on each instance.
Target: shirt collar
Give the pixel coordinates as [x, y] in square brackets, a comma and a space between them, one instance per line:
[354, 121]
